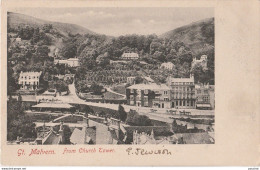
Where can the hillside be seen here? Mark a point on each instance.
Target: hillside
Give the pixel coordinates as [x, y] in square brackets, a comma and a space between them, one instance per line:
[198, 36]
[16, 19]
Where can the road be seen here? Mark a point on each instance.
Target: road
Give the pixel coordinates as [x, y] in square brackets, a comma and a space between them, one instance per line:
[110, 90]
[160, 114]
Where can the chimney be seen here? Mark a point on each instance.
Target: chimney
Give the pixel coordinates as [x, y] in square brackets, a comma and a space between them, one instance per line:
[152, 134]
[86, 120]
[43, 129]
[61, 133]
[118, 127]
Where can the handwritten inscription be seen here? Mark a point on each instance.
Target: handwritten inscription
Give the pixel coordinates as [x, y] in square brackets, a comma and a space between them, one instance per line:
[141, 151]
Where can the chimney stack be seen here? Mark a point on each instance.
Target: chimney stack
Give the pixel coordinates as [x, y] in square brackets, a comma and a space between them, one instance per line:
[86, 120]
[61, 133]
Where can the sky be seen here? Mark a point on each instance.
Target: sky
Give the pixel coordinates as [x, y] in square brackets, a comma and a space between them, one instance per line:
[121, 21]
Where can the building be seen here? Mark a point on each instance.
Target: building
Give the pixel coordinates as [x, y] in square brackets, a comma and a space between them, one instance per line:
[205, 97]
[29, 80]
[87, 135]
[18, 39]
[47, 136]
[182, 92]
[71, 62]
[168, 66]
[130, 56]
[138, 135]
[130, 80]
[148, 95]
[202, 61]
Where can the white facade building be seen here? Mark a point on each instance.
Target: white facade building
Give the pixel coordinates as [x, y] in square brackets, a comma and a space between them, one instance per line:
[29, 80]
[130, 56]
[168, 66]
[203, 61]
[71, 62]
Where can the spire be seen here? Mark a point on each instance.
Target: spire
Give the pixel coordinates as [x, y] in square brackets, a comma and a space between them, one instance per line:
[152, 134]
[61, 127]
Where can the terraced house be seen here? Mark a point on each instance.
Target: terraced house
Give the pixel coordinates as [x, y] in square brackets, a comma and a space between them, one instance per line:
[182, 92]
[149, 95]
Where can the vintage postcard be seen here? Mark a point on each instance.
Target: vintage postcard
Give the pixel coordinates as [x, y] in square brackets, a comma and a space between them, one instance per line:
[130, 83]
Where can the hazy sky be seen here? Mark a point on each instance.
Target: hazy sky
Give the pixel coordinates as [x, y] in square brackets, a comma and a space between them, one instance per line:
[121, 21]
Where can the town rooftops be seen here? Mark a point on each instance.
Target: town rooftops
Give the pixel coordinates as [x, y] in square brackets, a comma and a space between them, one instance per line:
[196, 138]
[78, 136]
[152, 86]
[52, 139]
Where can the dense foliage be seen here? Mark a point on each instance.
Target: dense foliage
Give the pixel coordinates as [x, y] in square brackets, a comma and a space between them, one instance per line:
[18, 124]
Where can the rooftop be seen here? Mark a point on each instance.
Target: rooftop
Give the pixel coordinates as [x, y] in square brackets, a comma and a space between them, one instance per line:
[78, 136]
[73, 59]
[191, 79]
[152, 86]
[30, 73]
[53, 105]
[195, 138]
[130, 55]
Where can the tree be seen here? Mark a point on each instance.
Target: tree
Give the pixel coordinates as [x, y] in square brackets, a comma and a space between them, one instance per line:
[18, 124]
[130, 116]
[96, 89]
[134, 119]
[85, 109]
[139, 80]
[69, 50]
[142, 120]
[122, 113]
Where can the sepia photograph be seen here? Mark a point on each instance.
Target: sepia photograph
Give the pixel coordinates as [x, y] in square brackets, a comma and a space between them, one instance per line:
[119, 76]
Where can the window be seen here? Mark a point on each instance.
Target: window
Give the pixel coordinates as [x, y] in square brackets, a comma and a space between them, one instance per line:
[198, 91]
[166, 99]
[180, 103]
[165, 92]
[205, 91]
[184, 103]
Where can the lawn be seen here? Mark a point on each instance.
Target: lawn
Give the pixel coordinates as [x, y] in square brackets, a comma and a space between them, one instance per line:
[120, 89]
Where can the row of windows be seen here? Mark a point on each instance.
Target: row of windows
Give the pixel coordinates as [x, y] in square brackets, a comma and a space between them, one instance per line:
[184, 103]
[183, 88]
[29, 77]
[182, 83]
[199, 91]
[29, 83]
[183, 96]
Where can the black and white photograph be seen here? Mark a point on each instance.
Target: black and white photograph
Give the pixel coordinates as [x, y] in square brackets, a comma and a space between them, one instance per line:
[110, 76]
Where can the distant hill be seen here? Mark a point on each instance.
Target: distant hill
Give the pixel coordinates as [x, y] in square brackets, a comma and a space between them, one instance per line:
[16, 19]
[198, 36]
